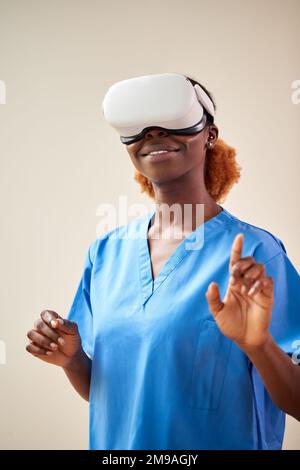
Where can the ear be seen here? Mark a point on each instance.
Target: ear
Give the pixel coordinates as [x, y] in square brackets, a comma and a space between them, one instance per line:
[213, 133]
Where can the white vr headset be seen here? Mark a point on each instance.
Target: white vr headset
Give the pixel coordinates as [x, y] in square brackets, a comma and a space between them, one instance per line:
[168, 101]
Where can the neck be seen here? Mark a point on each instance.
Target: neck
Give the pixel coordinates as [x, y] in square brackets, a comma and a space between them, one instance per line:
[189, 190]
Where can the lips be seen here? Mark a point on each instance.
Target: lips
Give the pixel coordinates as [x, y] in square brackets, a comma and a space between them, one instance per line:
[156, 148]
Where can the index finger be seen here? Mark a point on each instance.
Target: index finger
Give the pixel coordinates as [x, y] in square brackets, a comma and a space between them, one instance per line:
[236, 250]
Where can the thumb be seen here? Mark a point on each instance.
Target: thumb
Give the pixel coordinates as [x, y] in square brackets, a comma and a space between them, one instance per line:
[213, 298]
[65, 326]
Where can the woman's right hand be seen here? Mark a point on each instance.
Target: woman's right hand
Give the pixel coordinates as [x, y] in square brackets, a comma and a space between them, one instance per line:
[54, 339]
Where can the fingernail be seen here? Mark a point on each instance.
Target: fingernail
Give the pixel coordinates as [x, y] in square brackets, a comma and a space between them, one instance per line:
[54, 323]
[61, 341]
[49, 353]
[53, 345]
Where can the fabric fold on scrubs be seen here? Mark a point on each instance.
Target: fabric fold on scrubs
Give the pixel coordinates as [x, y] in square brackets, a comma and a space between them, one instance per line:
[163, 375]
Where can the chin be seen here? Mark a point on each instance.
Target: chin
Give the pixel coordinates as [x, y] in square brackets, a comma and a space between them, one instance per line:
[162, 177]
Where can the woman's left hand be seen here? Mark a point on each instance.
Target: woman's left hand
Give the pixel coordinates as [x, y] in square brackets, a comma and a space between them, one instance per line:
[244, 315]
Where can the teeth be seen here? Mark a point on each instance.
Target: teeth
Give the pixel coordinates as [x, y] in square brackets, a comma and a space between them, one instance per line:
[158, 151]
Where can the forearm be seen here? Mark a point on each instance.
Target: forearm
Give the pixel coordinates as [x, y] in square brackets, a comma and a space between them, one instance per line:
[78, 372]
[280, 376]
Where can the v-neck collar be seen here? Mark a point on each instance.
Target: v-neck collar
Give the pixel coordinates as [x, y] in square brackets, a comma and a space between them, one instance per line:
[148, 286]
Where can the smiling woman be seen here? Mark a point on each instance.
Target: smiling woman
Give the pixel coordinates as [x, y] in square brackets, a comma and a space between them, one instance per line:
[221, 170]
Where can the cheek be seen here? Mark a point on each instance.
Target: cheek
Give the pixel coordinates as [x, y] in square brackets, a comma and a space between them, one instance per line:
[195, 154]
[131, 152]
[194, 146]
[135, 159]
[136, 162]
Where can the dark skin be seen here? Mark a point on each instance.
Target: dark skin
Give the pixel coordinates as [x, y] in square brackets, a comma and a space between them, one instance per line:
[180, 180]
[243, 315]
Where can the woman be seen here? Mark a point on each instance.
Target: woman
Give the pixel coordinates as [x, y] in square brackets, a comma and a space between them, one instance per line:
[178, 348]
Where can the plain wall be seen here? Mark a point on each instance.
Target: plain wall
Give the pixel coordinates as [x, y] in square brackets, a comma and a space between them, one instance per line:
[60, 159]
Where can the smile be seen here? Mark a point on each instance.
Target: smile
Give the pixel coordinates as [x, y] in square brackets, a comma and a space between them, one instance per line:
[160, 155]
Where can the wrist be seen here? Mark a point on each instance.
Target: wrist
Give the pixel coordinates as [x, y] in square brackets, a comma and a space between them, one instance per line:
[258, 349]
[75, 362]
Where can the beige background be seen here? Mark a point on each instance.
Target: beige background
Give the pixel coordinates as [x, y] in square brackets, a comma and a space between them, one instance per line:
[60, 160]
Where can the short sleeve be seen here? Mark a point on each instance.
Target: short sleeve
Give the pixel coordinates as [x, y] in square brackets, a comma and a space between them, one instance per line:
[285, 322]
[81, 309]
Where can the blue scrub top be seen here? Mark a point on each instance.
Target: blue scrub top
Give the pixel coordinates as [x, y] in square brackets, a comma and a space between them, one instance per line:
[163, 375]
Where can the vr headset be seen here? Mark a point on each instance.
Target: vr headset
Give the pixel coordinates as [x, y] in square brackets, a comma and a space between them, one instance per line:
[168, 101]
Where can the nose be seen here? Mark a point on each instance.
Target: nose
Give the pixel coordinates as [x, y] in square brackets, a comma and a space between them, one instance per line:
[155, 132]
